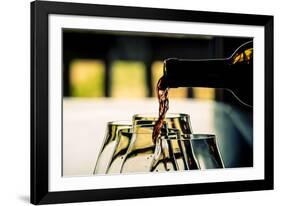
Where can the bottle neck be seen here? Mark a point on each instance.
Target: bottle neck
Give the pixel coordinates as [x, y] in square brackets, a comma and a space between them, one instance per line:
[214, 73]
[196, 73]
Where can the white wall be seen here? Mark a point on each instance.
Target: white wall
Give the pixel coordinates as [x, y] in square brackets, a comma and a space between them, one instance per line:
[14, 104]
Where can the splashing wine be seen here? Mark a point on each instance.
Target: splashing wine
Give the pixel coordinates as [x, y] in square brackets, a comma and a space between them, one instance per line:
[162, 91]
[162, 94]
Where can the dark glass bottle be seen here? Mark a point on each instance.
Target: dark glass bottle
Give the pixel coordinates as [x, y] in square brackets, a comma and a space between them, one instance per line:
[234, 73]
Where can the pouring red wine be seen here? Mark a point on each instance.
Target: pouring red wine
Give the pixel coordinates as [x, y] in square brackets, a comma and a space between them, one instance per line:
[211, 73]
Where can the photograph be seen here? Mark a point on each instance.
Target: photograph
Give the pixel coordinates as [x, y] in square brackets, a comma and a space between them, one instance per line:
[138, 102]
[124, 102]
[131, 102]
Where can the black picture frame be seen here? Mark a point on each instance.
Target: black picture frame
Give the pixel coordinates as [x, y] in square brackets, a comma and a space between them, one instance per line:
[40, 102]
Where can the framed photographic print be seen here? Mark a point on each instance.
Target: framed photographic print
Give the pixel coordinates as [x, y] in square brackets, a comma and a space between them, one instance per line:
[131, 102]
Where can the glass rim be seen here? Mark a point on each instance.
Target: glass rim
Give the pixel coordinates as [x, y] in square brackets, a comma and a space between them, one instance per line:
[188, 137]
[146, 123]
[120, 122]
[171, 131]
[197, 136]
[155, 115]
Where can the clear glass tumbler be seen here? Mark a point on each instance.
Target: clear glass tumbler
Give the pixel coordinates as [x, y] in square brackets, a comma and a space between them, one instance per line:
[181, 122]
[142, 153]
[111, 140]
[205, 150]
[120, 152]
[165, 158]
[178, 121]
[124, 140]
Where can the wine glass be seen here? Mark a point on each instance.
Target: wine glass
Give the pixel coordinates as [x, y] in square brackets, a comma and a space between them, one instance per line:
[182, 151]
[119, 152]
[165, 158]
[181, 122]
[123, 144]
[123, 141]
[142, 153]
[112, 138]
[178, 121]
[205, 150]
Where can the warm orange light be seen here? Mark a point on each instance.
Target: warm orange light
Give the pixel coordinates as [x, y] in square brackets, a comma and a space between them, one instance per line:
[244, 56]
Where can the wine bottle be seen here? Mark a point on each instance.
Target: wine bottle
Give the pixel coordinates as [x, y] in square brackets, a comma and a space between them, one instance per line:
[234, 73]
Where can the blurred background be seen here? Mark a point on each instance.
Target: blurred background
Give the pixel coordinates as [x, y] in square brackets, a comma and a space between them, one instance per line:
[98, 63]
[110, 75]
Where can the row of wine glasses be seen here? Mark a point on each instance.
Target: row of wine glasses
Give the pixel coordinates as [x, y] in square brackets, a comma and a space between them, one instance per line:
[129, 147]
